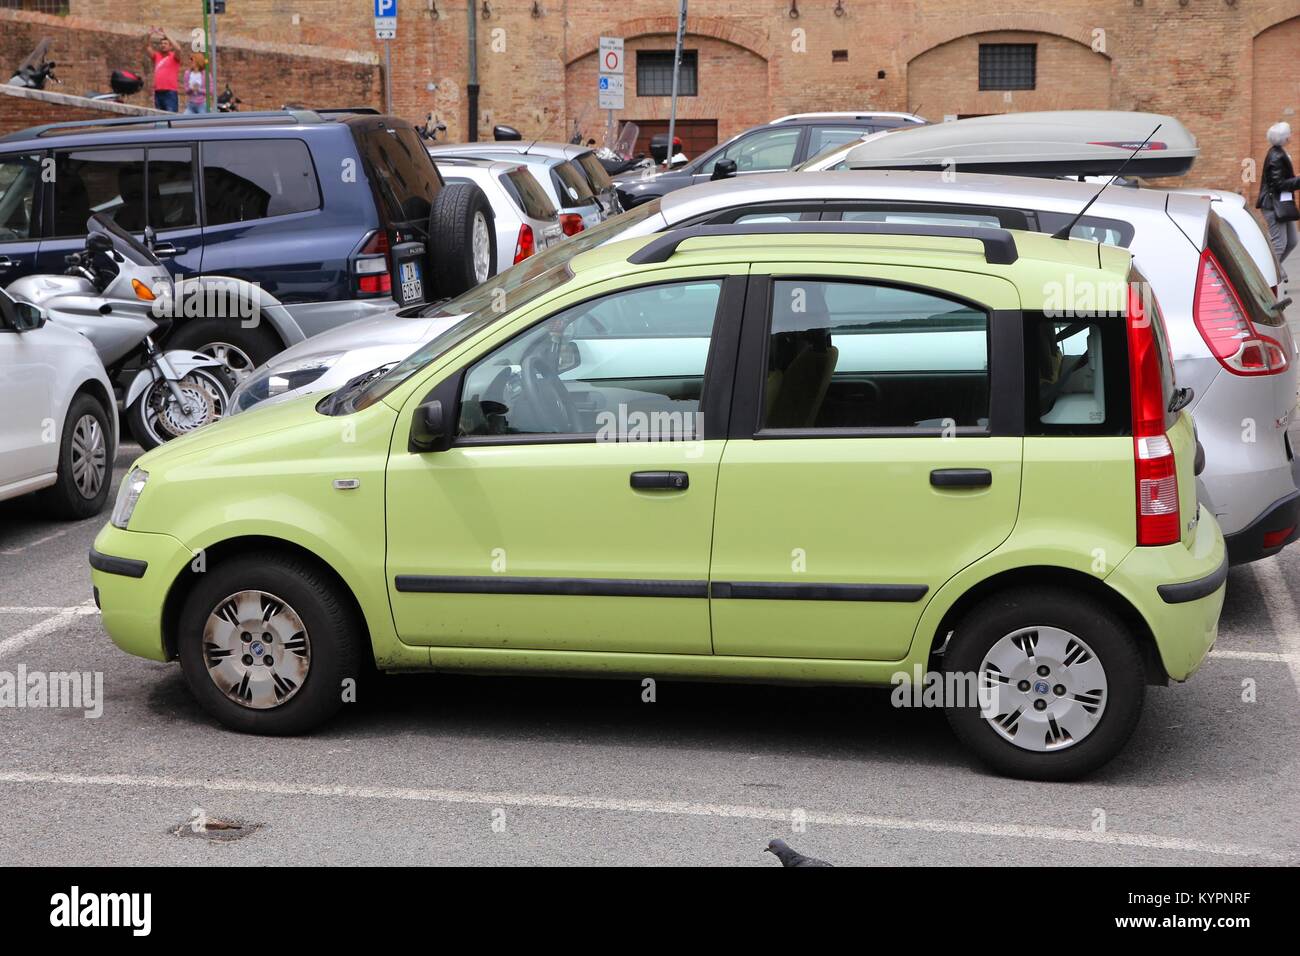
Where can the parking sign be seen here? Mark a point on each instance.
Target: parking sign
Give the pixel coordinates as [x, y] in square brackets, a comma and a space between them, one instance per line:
[385, 19]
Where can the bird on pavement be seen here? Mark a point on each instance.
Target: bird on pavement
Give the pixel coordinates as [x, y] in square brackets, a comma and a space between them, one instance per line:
[792, 857]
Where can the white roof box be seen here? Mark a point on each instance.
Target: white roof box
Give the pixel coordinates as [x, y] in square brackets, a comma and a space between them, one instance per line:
[1058, 143]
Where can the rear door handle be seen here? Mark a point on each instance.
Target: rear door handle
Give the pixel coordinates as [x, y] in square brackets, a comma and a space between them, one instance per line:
[961, 478]
[166, 249]
[661, 480]
[6, 262]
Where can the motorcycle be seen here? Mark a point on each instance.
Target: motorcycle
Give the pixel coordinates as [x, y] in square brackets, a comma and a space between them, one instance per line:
[119, 295]
[34, 71]
[227, 101]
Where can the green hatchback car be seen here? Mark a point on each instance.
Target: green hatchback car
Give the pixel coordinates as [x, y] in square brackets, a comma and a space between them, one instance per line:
[840, 453]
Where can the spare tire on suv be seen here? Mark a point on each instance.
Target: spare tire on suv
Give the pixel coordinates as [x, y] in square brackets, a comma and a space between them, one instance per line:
[462, 240]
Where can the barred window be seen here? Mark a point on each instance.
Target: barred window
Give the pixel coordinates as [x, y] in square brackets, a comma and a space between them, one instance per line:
[654, 73]
[1008, 66]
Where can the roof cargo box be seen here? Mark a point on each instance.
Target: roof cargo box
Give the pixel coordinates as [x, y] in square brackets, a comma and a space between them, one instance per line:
[1058, 143]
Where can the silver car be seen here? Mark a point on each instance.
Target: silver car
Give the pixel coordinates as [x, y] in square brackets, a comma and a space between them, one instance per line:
[526, 220]
[1227, 333]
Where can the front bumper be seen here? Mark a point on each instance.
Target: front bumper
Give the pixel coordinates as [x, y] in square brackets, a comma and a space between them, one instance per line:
[1179, 592]
[1268, 534]
[132, 573]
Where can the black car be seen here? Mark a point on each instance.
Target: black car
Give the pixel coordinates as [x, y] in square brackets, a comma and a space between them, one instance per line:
[774, 147]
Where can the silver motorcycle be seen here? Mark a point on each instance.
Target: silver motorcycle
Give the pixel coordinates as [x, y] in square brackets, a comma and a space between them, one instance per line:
[120, 296]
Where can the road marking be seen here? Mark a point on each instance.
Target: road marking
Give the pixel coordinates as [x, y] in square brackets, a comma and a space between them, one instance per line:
[1281, 609]
[1269, 656]
[65, 617]
[49, 537]
[50, 609]
[665, 807]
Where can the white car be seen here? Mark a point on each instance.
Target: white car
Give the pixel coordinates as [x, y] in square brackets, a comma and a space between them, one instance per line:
[525, 218]
[58, 430]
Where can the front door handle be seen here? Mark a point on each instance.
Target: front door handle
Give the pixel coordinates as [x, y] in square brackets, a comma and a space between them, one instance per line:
[961, 478]
[161, 249]
[660, 480]
[6, 262]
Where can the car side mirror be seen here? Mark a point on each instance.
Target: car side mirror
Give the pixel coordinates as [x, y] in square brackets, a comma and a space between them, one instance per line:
[429, 431]
[724, 169]
[506, 134]
[19, 316]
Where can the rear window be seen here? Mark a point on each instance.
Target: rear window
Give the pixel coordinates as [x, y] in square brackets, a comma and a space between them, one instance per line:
[1246, 279]
[595, 170]
[405, 180]
[257, 179]
[527, 194]
[571, 184]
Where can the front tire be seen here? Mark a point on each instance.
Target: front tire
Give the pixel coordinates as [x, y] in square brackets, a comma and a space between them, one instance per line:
[1065, 680]
[154, 417]
[85, 462]
[266, 644]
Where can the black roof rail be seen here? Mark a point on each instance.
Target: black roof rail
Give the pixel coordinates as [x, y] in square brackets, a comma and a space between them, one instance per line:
[332, 110]
[999, 245]
[157, 120]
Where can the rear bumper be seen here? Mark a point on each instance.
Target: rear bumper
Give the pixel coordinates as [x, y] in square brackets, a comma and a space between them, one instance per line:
[1268, 534]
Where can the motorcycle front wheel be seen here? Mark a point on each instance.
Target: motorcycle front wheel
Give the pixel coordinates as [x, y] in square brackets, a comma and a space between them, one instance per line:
[157, 417]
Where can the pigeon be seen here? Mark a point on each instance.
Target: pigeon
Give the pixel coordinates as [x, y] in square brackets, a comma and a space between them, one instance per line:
[792, 857]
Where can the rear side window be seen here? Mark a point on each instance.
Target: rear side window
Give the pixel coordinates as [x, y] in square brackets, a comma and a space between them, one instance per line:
[20, 178]
[859, 355]
[1076, 375]
[257, 179]
[595, 171]
[571, 184]
[1109, 232]
[171, 188]
[404, 178]
[527, 194]
[1246, 279]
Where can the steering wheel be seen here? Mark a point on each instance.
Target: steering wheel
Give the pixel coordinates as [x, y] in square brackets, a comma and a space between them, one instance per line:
[546, 397]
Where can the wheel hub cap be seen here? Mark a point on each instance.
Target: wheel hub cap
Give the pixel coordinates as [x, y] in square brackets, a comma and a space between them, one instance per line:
[1045, 688]
[482, 246]
[256, 649]
[89, 456]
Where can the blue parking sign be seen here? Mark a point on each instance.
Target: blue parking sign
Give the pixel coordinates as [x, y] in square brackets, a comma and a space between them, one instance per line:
[385, 8]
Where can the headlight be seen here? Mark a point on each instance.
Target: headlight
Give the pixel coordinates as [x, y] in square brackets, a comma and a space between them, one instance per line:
[127, 495]
[271, 382]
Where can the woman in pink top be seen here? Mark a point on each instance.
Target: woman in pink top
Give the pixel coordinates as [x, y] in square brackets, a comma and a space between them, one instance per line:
[166, 69]
[196, 84]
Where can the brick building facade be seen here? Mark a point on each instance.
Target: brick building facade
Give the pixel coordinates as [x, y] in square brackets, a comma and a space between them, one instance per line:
[1227, 68]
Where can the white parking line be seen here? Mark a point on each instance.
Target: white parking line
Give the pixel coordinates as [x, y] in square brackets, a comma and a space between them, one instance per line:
[1281, 609]
[48, 626]
[547, 801]
[1270, 656]
[49, 537]
[47, 609]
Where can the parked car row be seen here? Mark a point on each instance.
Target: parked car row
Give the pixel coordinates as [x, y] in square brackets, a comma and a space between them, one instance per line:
[558, 466]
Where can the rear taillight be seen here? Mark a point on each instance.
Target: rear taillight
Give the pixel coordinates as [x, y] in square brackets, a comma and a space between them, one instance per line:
[571, 223]
[1158, 521]
[371, 266]
[1222, 321]
[525, 245]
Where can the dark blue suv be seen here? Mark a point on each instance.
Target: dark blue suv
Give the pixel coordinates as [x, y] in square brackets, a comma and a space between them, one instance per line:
[315, 206]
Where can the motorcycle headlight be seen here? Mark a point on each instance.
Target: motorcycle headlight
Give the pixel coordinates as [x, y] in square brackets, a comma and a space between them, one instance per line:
[127, 496]
[270, 382]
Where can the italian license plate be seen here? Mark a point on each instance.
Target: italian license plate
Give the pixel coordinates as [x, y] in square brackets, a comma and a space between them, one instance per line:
[411, 285]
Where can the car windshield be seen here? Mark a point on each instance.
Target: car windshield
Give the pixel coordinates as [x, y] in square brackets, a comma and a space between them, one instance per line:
[498, 306]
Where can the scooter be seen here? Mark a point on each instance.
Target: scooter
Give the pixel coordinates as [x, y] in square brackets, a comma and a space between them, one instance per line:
[34, 71]
[119, 295]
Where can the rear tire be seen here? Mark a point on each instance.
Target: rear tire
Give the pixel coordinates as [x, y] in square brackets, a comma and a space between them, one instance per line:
[295, 680]
[460, 212]
[86, 451]
[1070, 681]
[240, 349]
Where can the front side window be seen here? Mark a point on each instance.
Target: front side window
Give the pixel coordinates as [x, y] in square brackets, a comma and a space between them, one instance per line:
[628, 366]
[20, 178]
[108, 181]
[257, 179]
[857, 355]
[171, 188]
[772, 149]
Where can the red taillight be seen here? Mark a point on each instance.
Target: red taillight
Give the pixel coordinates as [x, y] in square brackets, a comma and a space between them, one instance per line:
[1158, 520]
[1275, 539]
[571, 223]
[524, 246]
[1227, 330]
[374, 273]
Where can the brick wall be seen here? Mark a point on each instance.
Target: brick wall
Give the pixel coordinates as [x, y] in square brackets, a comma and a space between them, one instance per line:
[1224, 69]
[21, 108]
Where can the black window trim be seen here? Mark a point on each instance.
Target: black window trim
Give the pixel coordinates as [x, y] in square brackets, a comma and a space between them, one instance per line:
[719, 369]
[1006, 367]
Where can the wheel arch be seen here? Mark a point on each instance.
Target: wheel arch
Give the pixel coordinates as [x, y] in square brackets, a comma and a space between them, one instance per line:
[221, 551]
[96, 390]
[1055, 576]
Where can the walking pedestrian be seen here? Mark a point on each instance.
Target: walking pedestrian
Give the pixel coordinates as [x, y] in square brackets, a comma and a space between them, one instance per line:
[1277, 194]
[196, 85]
[166, 69]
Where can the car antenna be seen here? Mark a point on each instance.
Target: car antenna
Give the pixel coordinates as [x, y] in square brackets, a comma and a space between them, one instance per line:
[1064, 232]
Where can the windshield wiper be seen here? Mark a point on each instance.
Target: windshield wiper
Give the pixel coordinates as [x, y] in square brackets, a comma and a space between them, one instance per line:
[350, 388]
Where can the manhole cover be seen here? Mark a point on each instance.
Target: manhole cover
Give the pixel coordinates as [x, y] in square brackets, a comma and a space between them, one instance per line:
[215, 829]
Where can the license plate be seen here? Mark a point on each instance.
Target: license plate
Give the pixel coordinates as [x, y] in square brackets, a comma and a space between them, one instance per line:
[411, 286]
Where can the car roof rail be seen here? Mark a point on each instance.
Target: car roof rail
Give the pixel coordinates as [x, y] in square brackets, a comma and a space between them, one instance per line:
[334, 110]
[999, 244]
[157, 121]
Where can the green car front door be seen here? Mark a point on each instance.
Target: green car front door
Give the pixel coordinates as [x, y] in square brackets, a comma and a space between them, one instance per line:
[875, 452]
[574, 509]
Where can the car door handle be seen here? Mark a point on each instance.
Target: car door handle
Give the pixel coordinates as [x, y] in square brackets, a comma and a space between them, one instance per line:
[6, 262]
[961, 478]
[167, 249]
[661, 480]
